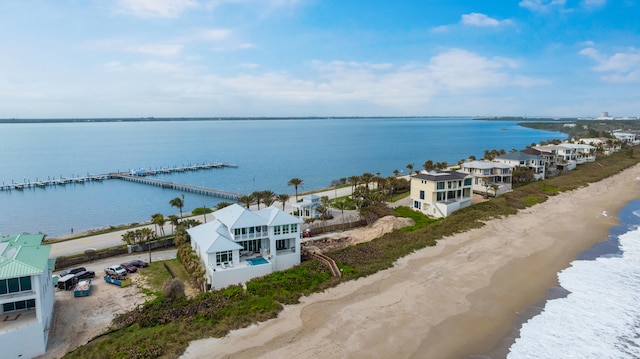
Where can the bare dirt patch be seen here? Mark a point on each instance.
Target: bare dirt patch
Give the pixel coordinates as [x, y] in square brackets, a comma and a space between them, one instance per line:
[78, 320]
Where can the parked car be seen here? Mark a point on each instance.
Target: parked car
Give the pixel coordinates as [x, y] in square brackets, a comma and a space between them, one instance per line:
[139, 263]
[129, 267]
[85, 275]
[115, 271]
[72, 271]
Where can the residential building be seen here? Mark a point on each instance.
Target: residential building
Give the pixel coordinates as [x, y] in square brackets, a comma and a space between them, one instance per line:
[626, 137]
[583, 153]
[558, 157]
[27, 295]
[604, 145]
[489, 177]
[307, 207]
[438, 193]
[240, 244]
[535, 163]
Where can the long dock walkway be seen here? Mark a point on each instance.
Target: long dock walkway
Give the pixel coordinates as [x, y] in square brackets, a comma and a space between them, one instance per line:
[139, 175]
[176, 186]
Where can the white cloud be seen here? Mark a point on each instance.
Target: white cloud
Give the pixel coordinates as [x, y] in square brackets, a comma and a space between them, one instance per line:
[593, 4]
[157, 49]
[155, 8]
[215, 34]
[477, 19]
[620, 67]
[542, 5]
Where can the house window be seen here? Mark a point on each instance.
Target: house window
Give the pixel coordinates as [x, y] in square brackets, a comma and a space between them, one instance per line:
[224, 257]
[19, 305]
[277, 230]
[467, 181]
[441, 196]
[285, 229]
[294, 228]
[416, 204]
[281, 244]
[253, 245]
[440, 185]
[421, 194]
[15, 285]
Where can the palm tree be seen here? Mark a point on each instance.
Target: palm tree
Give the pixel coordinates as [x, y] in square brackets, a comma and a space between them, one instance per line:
[174, 220]
[246, 200]
[396, 172]
[257, 196]
[410, 167]
[367, 178]
[223, 204]
[428, 165]
[295, 182]
[283, 198]
[341, 205]
[353, 181]
[178, 202]
[158, 220]
[268, 197]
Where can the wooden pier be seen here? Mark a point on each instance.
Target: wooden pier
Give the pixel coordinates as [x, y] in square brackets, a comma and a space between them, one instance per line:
[177, 186]
[139, 176]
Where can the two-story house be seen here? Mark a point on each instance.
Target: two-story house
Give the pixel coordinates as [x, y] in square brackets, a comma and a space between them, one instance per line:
[438, 193]
[536, 163]
[489, 177]
[240, 244]
[27, 295]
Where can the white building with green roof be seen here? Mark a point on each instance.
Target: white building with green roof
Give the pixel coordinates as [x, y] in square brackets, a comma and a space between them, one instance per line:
[27, 295]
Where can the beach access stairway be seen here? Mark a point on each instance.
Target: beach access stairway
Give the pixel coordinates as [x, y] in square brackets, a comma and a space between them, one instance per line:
[330, 263]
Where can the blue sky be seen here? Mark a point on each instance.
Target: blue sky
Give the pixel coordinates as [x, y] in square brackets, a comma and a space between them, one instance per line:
[166, 58]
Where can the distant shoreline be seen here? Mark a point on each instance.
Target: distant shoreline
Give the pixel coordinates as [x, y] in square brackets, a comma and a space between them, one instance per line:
[230, 118]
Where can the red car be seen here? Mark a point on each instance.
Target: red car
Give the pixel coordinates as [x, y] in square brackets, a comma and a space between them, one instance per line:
[129, 267]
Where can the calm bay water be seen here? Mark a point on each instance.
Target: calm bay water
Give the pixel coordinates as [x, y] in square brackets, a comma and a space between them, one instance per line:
[268, 154]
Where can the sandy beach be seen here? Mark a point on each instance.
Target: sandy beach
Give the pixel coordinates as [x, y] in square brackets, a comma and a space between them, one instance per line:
[453, 300]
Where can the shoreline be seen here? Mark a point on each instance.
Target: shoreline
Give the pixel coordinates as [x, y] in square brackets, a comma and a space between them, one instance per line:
[472, 284]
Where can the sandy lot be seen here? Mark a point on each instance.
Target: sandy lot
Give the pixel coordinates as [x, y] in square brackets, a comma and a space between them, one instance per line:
[77, 320]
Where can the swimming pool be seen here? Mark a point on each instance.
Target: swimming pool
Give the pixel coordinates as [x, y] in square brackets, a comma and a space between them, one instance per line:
[257, 261]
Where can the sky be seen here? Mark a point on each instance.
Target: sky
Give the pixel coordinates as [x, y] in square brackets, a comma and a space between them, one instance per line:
[295, 58]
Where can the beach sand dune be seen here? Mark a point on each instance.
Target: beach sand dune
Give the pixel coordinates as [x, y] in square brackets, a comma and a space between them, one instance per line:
[456, 299]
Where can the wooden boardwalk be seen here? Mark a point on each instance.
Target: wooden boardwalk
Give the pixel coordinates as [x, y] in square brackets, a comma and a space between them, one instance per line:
[176, 186]
[139, 176]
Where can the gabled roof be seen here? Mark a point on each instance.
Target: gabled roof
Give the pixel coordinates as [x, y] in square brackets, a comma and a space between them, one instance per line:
[519, 156]
[276, 217]
[441, 175]
[23, 255]
[236, 216]
[212, 237]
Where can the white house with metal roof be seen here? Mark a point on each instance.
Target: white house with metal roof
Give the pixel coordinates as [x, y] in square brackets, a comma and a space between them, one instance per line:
[489, 176]
[438, 193]
[520, 159]
[27, 295]
[240, 244]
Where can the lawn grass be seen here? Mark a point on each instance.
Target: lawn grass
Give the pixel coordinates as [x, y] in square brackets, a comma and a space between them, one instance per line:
[164, 328]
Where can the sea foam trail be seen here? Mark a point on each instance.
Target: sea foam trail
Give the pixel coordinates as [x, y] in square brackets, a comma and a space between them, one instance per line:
[600, 318]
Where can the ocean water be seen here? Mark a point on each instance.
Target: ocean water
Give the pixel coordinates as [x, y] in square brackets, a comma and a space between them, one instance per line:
[268, 153]
[599, 317]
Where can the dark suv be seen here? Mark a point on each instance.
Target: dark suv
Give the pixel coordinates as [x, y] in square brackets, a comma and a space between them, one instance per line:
[85, 275]
[72, 271]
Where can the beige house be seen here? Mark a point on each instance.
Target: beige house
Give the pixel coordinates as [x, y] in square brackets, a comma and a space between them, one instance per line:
[438, 193]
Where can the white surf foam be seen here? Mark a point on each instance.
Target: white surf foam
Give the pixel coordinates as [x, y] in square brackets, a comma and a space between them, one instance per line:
[600, 318]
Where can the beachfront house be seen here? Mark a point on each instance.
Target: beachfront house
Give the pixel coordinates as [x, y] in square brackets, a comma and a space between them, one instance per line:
[626, 137]
[558, 157]
[535, 163]
[26, 295]
[489, 177]
[438, 193]
[241, 244]
[583, 153]
[604, 145]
